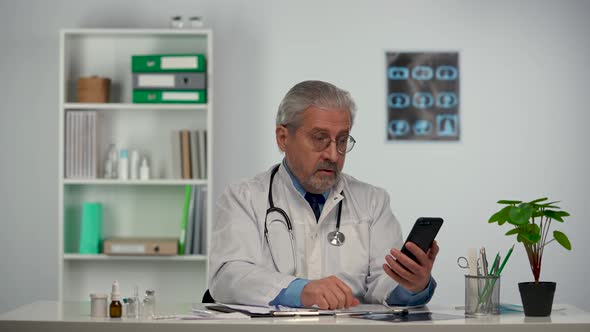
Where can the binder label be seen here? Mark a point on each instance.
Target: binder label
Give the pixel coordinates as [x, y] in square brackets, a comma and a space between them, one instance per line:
[179, 62]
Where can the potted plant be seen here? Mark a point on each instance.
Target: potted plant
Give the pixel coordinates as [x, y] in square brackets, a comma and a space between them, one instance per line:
[530, 222]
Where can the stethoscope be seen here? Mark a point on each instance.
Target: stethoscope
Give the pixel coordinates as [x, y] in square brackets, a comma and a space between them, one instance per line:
[335, 238]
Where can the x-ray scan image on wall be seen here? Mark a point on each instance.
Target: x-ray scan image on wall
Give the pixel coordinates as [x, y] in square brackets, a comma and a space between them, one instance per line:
[423, 96]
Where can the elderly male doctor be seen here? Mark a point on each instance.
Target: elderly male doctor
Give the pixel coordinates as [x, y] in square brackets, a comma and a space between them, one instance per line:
[320, 238]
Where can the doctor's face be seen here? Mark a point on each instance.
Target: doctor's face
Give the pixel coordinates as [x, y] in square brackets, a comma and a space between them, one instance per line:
[316, 169]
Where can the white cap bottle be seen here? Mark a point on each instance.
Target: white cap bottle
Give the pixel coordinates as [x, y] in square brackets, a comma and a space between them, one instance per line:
[144, 170]
[134, 170]
[123, 164]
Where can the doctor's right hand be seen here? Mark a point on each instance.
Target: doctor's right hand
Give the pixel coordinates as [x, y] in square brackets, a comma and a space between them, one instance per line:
[328, 293]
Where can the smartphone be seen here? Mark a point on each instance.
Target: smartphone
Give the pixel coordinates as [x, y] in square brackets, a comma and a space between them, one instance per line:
[423, 234]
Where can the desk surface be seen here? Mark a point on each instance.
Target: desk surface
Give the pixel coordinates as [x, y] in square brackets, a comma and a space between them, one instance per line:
[74, 316]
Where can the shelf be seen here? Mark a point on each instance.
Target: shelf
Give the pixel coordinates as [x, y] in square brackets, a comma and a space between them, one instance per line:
[102, 257]
[131, 106]
[130, 208]
[153, 182]
[136, 32]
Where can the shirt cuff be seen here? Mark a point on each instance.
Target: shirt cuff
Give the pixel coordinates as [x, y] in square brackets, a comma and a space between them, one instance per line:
[402, 297]
[291, 296]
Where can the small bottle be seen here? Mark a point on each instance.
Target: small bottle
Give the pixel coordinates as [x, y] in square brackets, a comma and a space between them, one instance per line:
[149, 304]
[133, 305]
[110, 171]
[116, 308]
[123, 164]
[144, 170]
[134, 169]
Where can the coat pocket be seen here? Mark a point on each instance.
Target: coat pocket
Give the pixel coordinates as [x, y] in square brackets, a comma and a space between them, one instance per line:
[352, 257]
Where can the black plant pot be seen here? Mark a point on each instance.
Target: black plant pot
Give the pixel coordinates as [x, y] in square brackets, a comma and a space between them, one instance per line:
[537, 297]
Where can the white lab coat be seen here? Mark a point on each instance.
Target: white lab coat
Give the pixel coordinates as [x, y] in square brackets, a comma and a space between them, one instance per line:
[241, 269]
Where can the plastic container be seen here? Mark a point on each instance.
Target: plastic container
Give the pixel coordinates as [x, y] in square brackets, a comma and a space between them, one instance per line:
[123, 164]
[144, 170]
[98, 305]
[134, 168]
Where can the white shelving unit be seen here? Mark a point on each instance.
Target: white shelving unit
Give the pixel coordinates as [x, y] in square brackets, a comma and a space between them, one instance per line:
[131, 208]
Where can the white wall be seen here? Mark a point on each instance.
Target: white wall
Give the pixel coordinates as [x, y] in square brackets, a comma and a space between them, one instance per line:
[524, 116]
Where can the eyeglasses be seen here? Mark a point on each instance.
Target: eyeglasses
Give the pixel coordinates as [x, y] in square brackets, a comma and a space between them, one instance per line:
[321, 141]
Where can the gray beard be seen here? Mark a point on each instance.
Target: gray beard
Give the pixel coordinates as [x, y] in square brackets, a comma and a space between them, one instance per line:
[318, 185]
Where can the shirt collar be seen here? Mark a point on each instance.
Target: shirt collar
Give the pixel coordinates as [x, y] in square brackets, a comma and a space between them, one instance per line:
[297, 184]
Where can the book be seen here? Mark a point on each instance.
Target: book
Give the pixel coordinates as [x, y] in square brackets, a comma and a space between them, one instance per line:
[184, 221]
[69, 142]
[190, 225]
[169, 97]
[174, 164]
[185, 154]
[202, 153]
[203, 222]
[168, 62]
[196, 249]
[195, 155]
[169, 81]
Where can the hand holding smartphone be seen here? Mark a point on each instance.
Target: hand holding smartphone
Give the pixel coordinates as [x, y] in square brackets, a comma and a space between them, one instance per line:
[423, 234]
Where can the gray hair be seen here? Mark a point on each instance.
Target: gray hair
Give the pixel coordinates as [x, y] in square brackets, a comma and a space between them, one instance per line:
[313, 93]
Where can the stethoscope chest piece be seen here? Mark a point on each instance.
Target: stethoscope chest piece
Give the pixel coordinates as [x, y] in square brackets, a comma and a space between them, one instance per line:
[336, 238]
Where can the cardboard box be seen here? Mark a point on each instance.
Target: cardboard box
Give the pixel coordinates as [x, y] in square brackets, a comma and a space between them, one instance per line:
[141, 246]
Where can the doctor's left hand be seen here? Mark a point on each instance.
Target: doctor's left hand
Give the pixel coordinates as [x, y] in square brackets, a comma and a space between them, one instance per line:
[411, 275]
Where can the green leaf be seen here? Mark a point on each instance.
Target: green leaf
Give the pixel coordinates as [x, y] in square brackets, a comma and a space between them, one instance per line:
[538, 200]
[562, 239]
[512, 231]
[553, 215]
[508, 202]
[563, 214]
[529, 233]
[530, 237]
[520, 215]
[501, 216]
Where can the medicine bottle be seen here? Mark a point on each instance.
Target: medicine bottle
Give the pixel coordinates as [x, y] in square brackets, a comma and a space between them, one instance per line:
[133, 305]
[98, 305]
[149, 304]
[116, 308]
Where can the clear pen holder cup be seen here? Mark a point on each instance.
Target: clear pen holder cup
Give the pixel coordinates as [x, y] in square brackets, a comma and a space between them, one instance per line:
[482, 295]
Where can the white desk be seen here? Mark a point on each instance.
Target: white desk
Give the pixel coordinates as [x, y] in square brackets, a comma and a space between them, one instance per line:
[74, 316]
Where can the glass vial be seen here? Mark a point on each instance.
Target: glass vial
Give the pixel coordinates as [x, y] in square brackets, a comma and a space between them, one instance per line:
[133, 305]
[149, 303]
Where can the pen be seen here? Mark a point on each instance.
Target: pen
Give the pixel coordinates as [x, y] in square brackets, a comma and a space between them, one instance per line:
[504, 261]
[484, 260]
